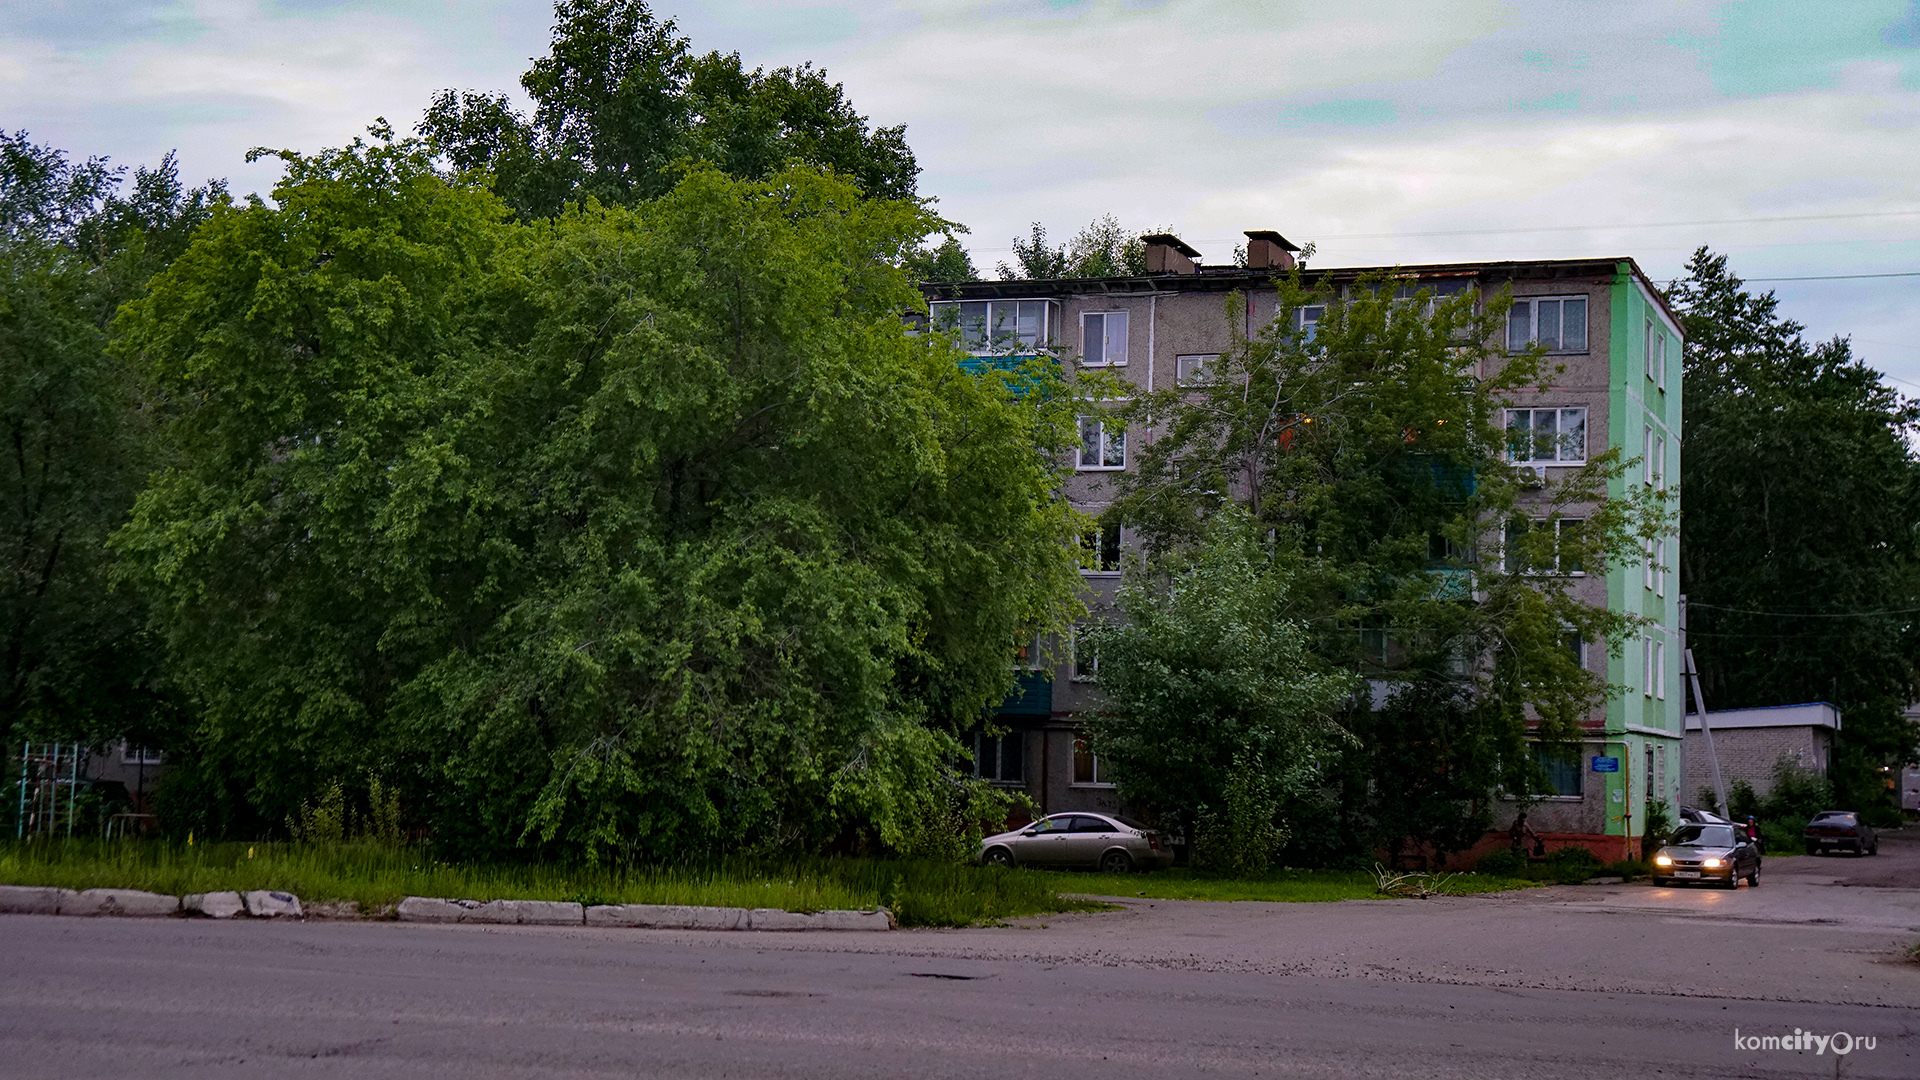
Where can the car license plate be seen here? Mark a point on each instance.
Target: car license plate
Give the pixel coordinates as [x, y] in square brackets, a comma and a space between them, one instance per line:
[1829, 840]
[1686, 873]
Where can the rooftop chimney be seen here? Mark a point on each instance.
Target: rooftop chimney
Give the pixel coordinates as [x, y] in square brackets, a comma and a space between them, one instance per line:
[1268, 250]
[1168, 254]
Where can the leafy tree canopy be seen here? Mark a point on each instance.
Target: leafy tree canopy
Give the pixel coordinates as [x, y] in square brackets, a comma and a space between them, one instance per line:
[73, 664]
[620, 100]
[639, 530]
[1802, 496]
[1102, 249]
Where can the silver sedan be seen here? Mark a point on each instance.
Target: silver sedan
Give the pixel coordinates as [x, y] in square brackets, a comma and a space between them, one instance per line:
[1108, 842]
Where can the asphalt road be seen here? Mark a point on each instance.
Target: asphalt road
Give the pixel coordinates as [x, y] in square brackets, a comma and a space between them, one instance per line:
[1569, 982]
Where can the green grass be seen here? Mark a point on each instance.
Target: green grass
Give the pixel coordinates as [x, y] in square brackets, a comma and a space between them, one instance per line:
[375, 876]
[1282, 886]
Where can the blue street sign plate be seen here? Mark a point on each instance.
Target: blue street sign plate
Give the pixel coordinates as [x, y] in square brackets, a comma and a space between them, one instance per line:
[1606, 764]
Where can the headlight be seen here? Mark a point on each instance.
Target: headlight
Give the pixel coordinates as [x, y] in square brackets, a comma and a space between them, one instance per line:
[1662, 860]
[1710, 863]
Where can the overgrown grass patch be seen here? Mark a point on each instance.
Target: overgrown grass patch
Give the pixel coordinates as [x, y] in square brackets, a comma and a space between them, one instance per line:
[1281, 886]
[920, 893]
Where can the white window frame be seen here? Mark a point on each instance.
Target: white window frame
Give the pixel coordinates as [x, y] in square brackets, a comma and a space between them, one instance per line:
[1080, 741]
[1660, 460]
[1308, 327]
[131, 754]
[1104, 444]
[1048, 331]
[1561, 412]
[1660, 669]
[1646, 681]
[1532, 305]
[1195, 369]
[1656, 348]
[1074, 674]
[1098, 534]
[1538, 523]
[1106, 338]
[1018, 738]
[1030, 655]
[1660, 567]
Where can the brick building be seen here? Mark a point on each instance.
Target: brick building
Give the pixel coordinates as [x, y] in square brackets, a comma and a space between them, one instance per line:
[1602, 322]
[1750, 742]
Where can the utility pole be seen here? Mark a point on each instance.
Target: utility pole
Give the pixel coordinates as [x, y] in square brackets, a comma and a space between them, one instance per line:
[1700, 702]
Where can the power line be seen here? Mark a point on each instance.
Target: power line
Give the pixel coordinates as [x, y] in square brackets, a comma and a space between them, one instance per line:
[1805, 614]
[1590, 228]
[1834, 277]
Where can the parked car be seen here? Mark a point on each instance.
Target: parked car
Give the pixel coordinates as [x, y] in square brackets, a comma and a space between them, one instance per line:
[1108, 842]
[1840, 830]
[1718, 853]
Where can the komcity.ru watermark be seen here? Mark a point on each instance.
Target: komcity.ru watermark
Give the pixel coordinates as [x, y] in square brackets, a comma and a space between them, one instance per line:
[1839, 1042]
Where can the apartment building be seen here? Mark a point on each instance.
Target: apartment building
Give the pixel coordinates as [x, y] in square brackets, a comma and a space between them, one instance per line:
[1600, 319]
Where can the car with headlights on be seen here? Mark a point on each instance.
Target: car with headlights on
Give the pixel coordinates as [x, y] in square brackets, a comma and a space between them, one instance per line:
[1840, 830]
[1107, 842]
[1717, 853]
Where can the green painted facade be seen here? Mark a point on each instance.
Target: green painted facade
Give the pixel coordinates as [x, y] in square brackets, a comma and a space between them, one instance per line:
[1645, 723]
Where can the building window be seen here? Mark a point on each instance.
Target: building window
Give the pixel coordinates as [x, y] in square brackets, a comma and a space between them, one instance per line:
[1196, 370]
[1102, 545]
[1653, 464]
[131, 754]
[1563, 773]
[1565, 551]
[1103, 338]
[1028, 656]
[1654, 680]
[999, 758]
[1101, 446]
[1307, 319]
[1576, 648]
[1547, 436]
[1559, 323]
[986, 326]
[1086, 766]
[1650, 563]
[1656, 354]
[1085, 661]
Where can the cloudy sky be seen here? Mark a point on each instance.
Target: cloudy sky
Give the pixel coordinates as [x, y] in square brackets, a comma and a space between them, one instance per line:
[1782, 133]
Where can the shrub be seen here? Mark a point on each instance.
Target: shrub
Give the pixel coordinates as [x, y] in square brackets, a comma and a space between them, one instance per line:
[1571, 865]
[1500, 864]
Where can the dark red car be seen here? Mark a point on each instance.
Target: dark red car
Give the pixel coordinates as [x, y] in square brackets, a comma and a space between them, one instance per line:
[1840, 830]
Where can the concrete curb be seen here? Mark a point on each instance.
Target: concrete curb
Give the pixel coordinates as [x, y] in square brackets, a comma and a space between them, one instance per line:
[638, 916]
[268, 904]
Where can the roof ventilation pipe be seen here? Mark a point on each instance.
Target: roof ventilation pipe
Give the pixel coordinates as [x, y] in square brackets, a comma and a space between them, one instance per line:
[1168, 254]
[1268, 250]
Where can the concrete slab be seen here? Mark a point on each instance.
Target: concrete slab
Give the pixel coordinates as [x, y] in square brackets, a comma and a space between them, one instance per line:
[528, 913]
[214, 905]
[647, 916]
[778, 919]
[119, 902]
[854, 920]
[268, 904]
[435, 909]
[718, 918]
[33, 899]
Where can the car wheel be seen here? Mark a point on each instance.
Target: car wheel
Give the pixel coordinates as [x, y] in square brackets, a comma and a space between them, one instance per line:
[1116, 862]
[1813, 849]
[1753, 879]
[1660, 882]
[1000, 857]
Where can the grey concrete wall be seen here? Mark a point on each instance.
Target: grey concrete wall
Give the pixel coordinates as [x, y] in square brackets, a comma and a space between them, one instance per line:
[1749, 754]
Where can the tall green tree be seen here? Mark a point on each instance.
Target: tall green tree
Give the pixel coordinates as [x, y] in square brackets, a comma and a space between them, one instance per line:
[1799, 548]
[638, 531]
[1372, 452]
[620, 100]
[1103, 248]
[73, 246]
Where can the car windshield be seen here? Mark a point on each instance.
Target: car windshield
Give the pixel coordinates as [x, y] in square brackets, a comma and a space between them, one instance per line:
[1704, 836]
